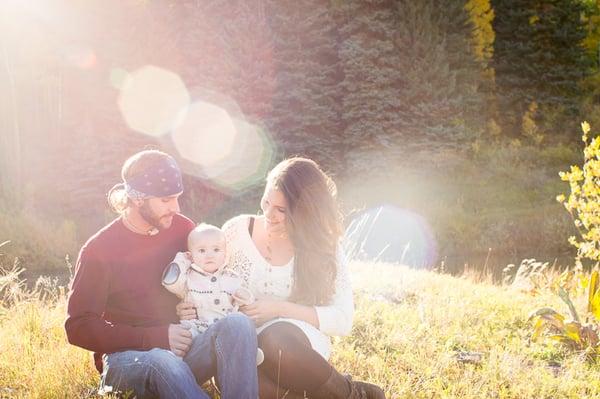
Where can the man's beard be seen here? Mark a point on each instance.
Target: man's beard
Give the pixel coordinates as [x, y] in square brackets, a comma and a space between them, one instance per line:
[152, 218]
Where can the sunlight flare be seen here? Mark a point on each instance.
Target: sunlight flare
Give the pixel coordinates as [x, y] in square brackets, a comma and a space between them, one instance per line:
[391, 234]
[153, 100]
[82, 57]
[229, 151]
[206, 135]
[250, 160]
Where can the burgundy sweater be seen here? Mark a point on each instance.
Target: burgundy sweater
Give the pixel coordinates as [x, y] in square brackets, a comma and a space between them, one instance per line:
[117, 301]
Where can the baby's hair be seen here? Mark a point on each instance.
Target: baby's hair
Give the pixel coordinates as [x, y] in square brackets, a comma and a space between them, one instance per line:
[200, 230]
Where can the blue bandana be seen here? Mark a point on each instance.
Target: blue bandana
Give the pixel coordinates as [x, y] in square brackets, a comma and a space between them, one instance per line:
[163, 179]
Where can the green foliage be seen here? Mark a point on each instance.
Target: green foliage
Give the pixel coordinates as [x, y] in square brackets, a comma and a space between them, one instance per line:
[592, 19]
[233, 60]
[371, 77]
[538, 56]
[590, 106]
[410, 78]
[364, 87]
[591, 85]
[306, 117]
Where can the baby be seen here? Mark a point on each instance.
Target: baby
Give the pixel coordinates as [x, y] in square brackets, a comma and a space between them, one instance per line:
[199, 276]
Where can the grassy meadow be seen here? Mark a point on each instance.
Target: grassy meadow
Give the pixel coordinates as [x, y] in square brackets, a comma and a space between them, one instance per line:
[469, 144]
[419, 334]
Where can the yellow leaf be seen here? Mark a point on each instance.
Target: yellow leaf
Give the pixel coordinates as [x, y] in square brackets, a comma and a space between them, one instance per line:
[593, 287]
[585, 126]
[572, 331]
[537, 329]
[595, 305]
[533, 19]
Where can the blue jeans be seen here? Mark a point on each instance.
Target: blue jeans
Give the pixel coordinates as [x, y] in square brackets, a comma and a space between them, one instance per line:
[226, 350]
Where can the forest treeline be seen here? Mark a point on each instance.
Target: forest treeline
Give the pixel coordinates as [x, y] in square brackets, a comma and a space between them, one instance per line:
[464, 110]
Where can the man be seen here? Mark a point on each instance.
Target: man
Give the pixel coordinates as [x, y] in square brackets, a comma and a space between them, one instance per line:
[118, 308]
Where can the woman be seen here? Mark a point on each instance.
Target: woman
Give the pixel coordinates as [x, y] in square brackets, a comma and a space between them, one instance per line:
[291, 261]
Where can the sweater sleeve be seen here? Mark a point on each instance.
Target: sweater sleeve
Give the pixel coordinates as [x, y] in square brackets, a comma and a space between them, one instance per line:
[336, 318]
[236, 259]
[85, 325]
[176, 274]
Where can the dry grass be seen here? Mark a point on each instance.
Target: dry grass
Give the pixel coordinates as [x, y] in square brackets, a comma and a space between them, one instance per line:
[410, 328]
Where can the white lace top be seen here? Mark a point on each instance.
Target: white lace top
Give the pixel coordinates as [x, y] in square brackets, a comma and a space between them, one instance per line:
[275, 282]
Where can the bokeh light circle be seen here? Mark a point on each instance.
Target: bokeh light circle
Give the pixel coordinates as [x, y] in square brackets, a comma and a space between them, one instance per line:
[153, 100]
[391, 234]
[228, 151]
[205, 136]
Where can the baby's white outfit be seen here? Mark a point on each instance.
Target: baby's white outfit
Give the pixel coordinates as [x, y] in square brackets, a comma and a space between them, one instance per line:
[211, 293]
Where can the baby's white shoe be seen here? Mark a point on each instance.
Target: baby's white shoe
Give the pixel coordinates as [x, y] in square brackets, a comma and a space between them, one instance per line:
[260, 357]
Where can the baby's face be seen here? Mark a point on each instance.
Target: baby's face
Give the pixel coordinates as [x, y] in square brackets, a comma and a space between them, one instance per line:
[208, 251]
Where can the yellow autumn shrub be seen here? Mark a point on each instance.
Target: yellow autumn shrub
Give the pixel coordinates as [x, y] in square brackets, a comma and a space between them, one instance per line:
[583, 202]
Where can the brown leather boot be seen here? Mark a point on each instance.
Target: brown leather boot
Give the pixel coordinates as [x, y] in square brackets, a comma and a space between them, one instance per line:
[339, 386]
[367, 390]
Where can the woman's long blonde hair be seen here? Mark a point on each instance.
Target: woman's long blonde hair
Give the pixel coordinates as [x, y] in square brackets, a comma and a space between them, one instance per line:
[314, 225]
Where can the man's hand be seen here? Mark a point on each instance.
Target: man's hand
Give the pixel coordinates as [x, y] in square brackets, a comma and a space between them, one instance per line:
[186, 311]
[180, 339]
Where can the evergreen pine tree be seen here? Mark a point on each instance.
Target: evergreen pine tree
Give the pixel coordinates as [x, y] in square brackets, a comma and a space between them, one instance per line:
[411, 79]
[228, 49]
[306, 116]
[372, 81]
[559, 35]
[538, 57]
[463, 62]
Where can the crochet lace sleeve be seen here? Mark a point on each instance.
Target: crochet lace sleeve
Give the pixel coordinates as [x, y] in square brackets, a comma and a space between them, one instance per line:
[336, 318]
[236, 260]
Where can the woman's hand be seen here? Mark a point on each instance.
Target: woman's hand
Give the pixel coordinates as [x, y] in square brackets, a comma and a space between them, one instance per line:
[262, 310]
[186, 311]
